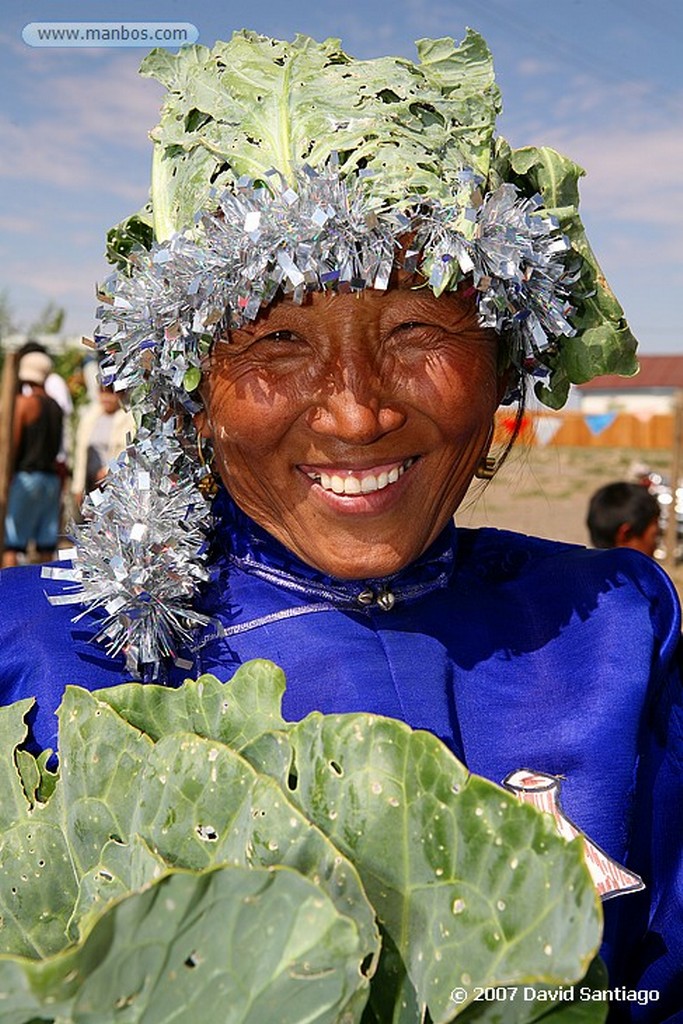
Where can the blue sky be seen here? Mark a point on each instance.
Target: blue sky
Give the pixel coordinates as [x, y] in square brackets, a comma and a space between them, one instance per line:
[600, 80]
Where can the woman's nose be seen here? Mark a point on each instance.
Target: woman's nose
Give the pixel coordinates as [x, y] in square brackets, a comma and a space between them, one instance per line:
[355, 406]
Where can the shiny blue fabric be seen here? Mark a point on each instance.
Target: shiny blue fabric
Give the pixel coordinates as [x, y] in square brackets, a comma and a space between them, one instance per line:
[517, 652]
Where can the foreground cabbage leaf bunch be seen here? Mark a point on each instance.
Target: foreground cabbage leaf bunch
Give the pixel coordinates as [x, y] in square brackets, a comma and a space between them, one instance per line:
[197, 858]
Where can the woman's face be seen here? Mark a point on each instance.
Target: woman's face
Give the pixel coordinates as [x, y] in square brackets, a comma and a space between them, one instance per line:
[350, 427]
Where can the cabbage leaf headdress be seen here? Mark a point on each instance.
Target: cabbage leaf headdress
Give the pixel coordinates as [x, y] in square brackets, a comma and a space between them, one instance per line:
[284, 167]
[251, 115]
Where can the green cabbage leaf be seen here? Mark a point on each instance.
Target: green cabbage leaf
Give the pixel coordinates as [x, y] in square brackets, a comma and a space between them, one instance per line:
[197, 857]
[256, 104]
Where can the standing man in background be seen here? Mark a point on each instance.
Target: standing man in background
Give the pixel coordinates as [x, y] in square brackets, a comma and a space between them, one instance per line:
[34, 497]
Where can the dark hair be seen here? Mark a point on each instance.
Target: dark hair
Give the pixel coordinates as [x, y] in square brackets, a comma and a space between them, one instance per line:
[31, 346]
[518, 390]
[618, 503]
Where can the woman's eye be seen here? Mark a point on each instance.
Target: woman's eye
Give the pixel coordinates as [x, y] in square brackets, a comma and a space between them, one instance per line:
[417, 328]
[280, 336]
[414, 325]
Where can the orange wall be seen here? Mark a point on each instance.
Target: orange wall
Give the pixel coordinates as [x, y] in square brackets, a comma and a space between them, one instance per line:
[626, 431]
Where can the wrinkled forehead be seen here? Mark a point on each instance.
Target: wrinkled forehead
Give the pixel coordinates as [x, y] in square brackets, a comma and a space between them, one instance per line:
[407, 297]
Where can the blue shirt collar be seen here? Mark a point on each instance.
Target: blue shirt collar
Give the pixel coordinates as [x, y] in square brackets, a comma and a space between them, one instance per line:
[243, 544]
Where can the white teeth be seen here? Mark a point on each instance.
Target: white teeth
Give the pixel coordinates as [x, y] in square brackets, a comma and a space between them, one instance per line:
[351, 485]
[361, 484]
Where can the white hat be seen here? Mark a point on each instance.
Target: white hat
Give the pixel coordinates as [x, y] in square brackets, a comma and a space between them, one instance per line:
[35, 367]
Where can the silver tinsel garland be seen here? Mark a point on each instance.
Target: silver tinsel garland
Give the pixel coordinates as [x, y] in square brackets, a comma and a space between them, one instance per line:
[157, 324]
[141, 552]
[141, 555]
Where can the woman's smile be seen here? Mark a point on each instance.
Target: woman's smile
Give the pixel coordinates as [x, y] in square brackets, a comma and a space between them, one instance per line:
[344, 480]
[365, 491]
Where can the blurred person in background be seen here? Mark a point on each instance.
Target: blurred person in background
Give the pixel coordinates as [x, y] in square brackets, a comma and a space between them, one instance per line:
[58, 389]
[624, 515]
[102, 434]
[33, 504]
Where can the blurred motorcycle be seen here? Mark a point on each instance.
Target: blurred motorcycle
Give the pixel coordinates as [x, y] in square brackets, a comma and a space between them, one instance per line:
[669, 503]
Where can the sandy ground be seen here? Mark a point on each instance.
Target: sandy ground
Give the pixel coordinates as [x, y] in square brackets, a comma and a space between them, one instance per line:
[545, 491]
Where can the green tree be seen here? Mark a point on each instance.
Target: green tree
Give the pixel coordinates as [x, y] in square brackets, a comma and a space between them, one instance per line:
[50, 319]
[7, 325]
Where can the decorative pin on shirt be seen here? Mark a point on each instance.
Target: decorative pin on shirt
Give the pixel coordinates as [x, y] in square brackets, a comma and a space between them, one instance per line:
[543, 791]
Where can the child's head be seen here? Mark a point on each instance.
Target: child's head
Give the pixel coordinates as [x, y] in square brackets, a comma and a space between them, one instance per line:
[624, 515]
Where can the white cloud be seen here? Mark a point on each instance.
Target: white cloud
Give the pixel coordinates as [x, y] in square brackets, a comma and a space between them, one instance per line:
[70, 123]
[532, 67]
[51, 276]
[625, 135]
[19, 224]
[630, 177]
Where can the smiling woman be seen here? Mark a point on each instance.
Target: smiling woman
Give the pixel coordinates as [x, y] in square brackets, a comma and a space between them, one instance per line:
[373, 412]
[342, 274]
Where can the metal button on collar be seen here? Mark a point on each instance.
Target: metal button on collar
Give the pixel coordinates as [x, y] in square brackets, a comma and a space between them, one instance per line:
[384, 599]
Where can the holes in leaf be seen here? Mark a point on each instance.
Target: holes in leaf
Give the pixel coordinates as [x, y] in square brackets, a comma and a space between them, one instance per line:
[337, 768]
[426, 113]
[124, 1001]
[195, 120]
[367, 964]
[388, 96]
[207, 833]
[220, 169]
[293, 775]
